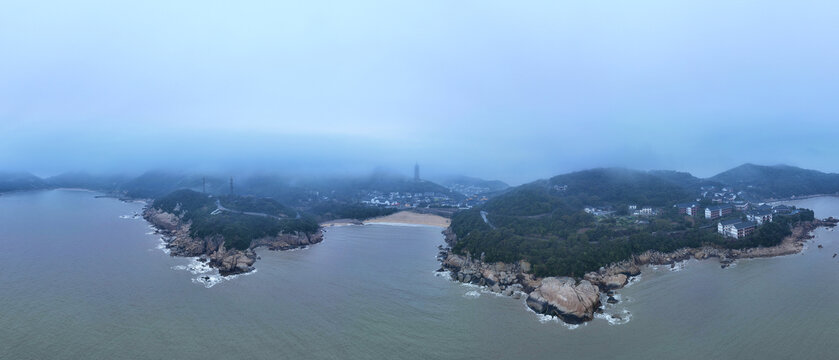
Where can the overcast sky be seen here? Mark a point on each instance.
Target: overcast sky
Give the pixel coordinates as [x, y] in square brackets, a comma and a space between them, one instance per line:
[497, 89]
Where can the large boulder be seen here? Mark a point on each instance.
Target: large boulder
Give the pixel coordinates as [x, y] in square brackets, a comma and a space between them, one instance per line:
[616, 281]
[564, 298]
[454, 261]
[232, 261]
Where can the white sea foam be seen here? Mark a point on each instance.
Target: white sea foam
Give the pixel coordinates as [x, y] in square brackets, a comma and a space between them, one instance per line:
[161, 245]
[472, 294]
[615, 319]
[208, 280]
[544, 319]
[195, 267]
[470, 285]
[679, 266]
[125, 216]
[212, 280]
[632, 280]
[443, 274]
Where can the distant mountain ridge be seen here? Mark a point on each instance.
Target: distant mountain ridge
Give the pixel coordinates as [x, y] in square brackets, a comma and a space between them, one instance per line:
[15, 181]
[779, 181]
[764, 182]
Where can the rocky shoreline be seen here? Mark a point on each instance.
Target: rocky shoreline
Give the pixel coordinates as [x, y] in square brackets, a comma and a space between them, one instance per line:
[212, 250]
[576, 301]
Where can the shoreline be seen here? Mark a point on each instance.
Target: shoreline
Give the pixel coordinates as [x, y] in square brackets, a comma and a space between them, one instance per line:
[579, 300]
[407, 217]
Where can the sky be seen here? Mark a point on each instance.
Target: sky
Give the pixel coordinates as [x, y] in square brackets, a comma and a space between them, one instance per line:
[504, 90]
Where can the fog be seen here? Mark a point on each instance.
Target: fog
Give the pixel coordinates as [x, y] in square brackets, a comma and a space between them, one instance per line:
[495, 89]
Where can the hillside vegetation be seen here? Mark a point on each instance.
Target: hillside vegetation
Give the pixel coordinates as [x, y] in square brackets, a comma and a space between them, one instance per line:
[780, 181]
[237, 229]
[544, 222]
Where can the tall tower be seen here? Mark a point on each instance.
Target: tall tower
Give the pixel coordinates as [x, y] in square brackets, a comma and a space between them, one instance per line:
[416, 172]
[204, 183]
[231, 185]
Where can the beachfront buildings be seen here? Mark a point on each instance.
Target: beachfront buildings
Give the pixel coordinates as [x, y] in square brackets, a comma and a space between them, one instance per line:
[690, 209]
[718, 211]
[736, 228]
[742, 229]
[760, 216]
[724, 226]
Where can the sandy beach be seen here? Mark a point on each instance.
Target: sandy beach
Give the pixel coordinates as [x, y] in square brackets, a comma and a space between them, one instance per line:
[412, 218]
[340, 222]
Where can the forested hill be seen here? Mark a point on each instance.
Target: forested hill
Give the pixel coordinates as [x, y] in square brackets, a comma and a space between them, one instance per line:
[779, 181]
[241, 223]
[13, 181]
[614, 186]
[544, 222]
[609, 187]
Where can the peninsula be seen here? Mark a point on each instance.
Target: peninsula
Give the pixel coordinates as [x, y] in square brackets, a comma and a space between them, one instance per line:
[569, 242]
[224, 231]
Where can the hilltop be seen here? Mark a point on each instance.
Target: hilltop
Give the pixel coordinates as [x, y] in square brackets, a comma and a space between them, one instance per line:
[577, 222]
[779, 181]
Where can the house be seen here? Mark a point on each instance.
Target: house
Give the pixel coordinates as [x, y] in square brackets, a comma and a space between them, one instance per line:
[647, 211]
[718, 211]
[759, 216]
[632, 207]
[741, 205]
[782, 209]
[724, 227]
[742, 229]
[691, 209]
[762, 207]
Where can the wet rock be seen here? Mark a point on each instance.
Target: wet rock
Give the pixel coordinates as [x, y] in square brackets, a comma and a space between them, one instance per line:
[616, 281]
[564, 298]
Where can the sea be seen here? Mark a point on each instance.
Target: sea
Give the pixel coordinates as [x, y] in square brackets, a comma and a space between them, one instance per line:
[83, 277]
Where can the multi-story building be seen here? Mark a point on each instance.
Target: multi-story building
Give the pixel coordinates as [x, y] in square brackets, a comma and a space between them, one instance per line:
[742, 229]
[759, 216]
[691, 209]
[724, 227]
[718, 211]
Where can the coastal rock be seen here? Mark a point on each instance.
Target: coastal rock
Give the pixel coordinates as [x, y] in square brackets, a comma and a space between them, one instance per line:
[211, 248]
[288, 241]
[454, 261]
[614, 281]
[232, 261]
[564, 298]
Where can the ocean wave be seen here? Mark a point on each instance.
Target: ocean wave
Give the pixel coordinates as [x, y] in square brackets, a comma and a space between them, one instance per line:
[615, 319]
[472, 294]
[195, 267]
[544, 319]
[443, 274]
[209, 281]
[679, 266]
[632, 280]
[161, 245]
